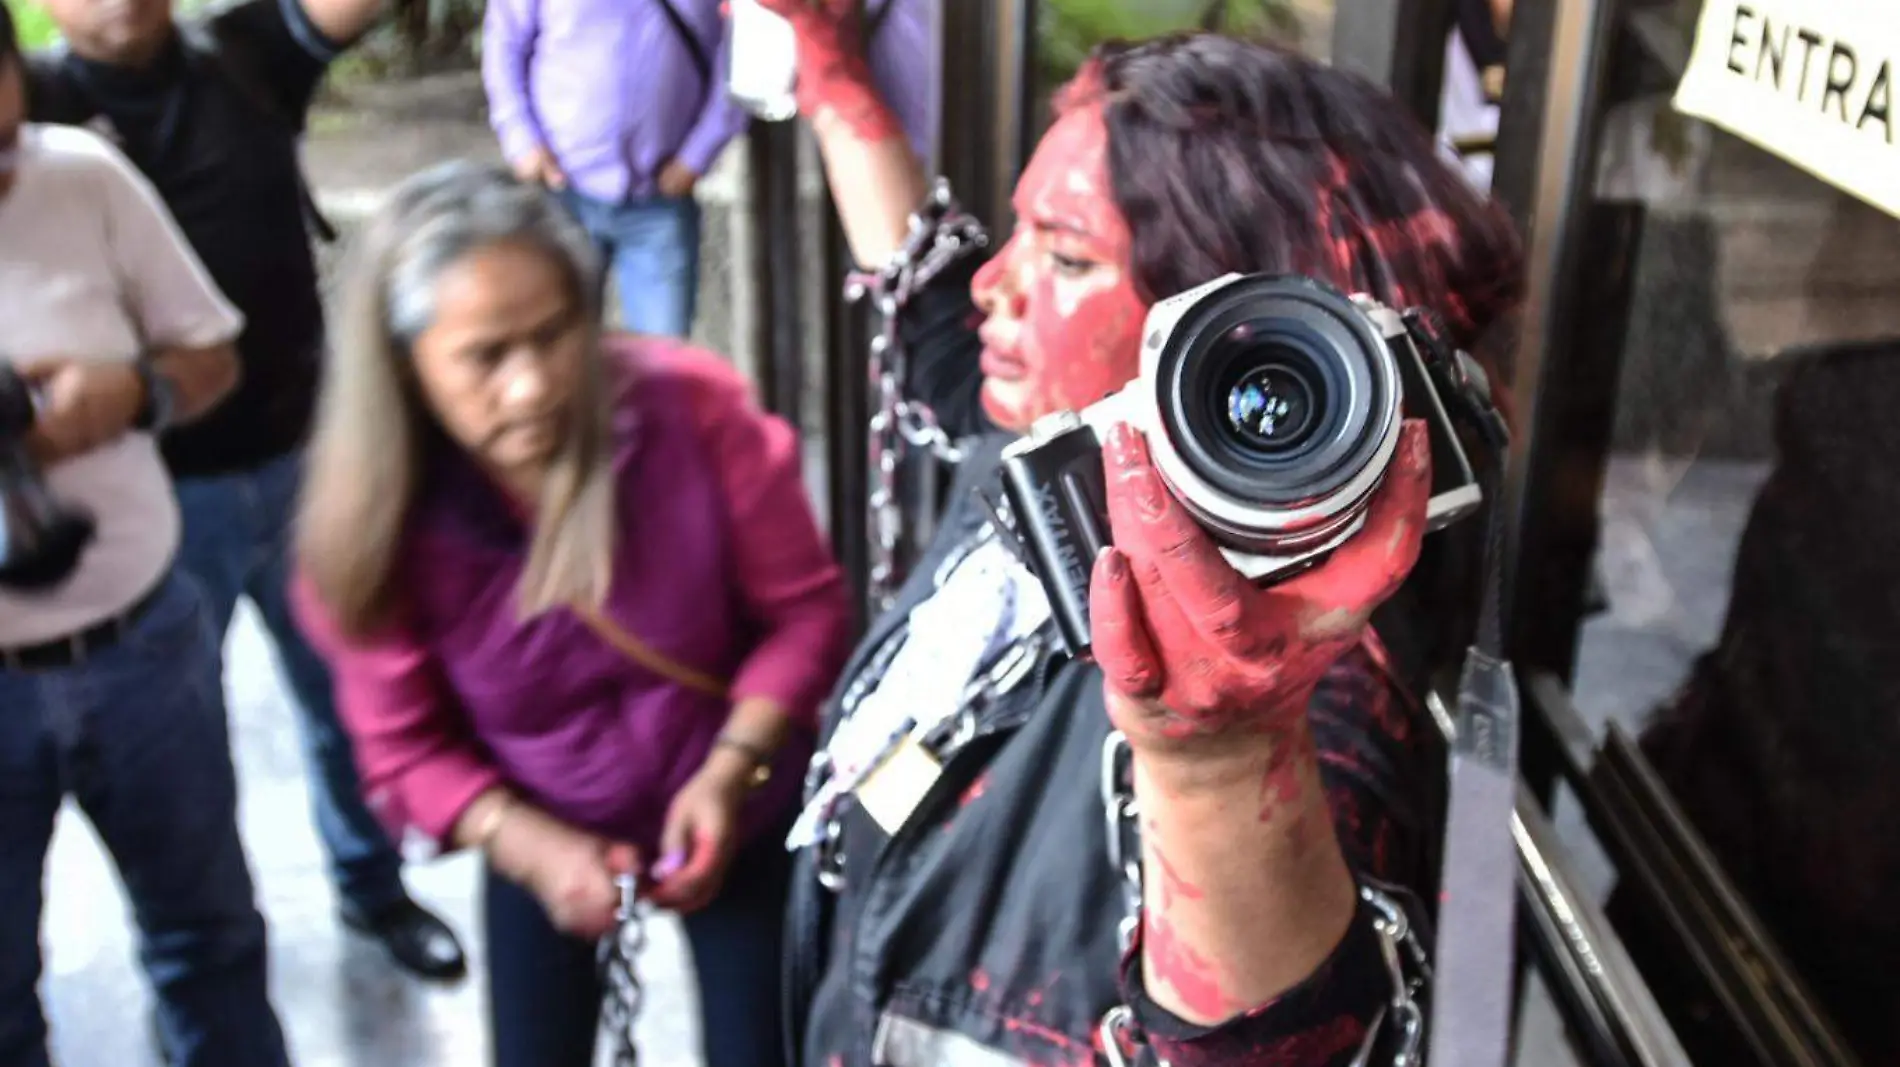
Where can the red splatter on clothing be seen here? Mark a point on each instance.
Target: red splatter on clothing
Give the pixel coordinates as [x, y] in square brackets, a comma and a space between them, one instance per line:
[974, 791]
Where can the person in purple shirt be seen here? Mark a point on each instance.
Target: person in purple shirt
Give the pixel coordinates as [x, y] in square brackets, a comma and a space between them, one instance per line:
[621, 106]
[577, 606]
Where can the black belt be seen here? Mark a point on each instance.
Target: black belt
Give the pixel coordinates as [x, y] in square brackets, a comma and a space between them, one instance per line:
[76, 648]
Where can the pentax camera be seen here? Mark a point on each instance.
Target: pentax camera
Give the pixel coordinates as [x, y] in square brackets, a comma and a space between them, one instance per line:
[41, 537]
[1271, 406]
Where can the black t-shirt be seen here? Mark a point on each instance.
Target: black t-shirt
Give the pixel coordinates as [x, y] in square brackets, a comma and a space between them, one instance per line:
[226, 164]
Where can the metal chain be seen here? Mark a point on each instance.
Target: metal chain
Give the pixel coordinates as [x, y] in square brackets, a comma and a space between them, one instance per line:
[1005, 671]
[623, 996]
[940, 234]
[1405, 958]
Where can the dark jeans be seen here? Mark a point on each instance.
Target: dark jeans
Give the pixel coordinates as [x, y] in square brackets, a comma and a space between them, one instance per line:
[136, 734]
[237, 544]
[544, 993]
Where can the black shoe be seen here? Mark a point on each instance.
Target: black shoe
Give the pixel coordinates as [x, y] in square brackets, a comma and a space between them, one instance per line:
[419, 941]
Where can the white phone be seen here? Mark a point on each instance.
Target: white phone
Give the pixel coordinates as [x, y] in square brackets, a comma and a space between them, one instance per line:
[764, 62]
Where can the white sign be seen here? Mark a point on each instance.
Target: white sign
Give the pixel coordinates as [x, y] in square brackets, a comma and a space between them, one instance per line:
[1809, 80]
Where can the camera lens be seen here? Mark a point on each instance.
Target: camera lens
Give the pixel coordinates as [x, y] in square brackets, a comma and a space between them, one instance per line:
[1276, 394]
[1271, 409]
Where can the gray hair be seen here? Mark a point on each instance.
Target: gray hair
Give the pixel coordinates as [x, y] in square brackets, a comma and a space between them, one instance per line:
[364, 459]
[449, 210]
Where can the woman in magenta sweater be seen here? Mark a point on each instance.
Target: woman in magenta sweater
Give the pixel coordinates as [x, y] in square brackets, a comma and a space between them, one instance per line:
[578, 608]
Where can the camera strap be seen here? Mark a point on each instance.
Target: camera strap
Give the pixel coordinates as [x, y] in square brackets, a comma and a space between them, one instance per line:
[1474, 956]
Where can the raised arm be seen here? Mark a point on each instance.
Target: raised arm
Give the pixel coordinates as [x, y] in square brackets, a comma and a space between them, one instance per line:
[876, 178]
[1250, 905]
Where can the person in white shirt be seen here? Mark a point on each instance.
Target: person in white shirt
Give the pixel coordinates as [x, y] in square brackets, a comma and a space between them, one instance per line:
[110, 690]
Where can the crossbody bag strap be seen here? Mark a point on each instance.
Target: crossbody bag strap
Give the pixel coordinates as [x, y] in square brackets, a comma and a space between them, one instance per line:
[696, 47]
[649, 657]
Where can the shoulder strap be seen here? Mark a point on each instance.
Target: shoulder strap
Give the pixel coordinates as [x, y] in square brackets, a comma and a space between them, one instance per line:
[694, 46]
[649, 657]
[230, 57]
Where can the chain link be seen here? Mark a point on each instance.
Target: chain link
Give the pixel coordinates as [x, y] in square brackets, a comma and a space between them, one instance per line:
[620, 976]
[940, 234]
[1406, 961]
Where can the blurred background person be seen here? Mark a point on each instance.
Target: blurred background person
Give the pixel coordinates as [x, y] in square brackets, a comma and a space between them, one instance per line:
[626, 142]
[109, 678]
[535, 556]
[1474, 85]
[212, 111]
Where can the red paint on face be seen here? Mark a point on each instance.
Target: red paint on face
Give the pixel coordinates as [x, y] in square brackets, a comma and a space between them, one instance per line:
[1063, 320]
[980, 981]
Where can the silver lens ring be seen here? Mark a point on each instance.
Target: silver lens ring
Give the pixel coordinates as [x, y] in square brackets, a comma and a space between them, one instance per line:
[1366, 427]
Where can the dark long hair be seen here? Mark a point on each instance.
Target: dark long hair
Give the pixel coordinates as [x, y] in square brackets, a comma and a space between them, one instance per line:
[1226, 155]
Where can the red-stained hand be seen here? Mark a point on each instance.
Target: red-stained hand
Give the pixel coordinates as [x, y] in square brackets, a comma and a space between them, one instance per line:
[698, 840]
[1192, 651]
[834, 76]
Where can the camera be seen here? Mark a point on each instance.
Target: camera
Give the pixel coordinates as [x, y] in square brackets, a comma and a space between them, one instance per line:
[1272, 406]
[41, 537]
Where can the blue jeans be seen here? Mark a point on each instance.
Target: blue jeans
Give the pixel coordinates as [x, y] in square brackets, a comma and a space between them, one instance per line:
[137, 735]
[544, 992]
[652, 245]
[237, 543]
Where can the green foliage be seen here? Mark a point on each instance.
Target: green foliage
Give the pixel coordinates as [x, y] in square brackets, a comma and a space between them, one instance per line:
[32, 23]
[1068, 29]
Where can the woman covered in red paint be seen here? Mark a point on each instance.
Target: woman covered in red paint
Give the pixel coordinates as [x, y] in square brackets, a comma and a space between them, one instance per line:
[972, 886]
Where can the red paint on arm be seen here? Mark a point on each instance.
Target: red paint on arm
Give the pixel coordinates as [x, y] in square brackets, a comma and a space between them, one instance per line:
[1194, 980]
[1198, 654]
[834, 74]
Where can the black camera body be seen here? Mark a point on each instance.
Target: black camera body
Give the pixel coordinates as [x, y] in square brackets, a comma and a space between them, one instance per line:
[1271, 406]
[41, 537]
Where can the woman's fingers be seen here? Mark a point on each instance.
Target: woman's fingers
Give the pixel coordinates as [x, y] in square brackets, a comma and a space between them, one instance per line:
[1173, 555]
[1119, 630]
[1365, 570]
